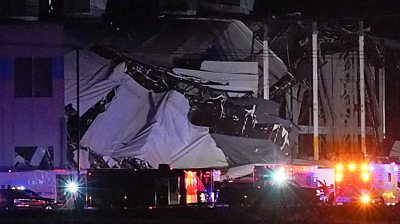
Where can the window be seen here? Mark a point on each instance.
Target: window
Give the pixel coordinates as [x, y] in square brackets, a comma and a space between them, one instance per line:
[32, 77]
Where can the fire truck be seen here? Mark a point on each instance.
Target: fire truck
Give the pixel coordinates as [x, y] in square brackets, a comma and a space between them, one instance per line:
[366, 183]
[127, 188]
[286, 184]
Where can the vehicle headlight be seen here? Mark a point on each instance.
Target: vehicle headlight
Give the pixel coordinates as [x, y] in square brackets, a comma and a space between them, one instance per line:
[365, 199]
[279, 176]
[72, 187]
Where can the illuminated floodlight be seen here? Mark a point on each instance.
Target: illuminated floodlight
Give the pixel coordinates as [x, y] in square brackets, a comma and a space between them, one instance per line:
[279, 176]
[364, 167]
[339, 167]
[365, 177]
[365, 199]
[72, 187]
[352, 166]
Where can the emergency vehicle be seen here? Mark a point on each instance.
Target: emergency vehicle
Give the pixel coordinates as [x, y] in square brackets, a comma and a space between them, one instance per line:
[365, 183]
[53, 184]
[127, 188]
[326, 185]
[385, 182]
[288, 184]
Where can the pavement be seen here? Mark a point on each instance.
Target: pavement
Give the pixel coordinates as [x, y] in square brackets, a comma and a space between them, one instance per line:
[243, 215]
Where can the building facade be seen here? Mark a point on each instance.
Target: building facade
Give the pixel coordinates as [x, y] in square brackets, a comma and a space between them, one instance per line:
[32, 126]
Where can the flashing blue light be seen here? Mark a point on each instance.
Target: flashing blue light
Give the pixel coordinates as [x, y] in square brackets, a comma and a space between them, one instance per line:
[72, 187]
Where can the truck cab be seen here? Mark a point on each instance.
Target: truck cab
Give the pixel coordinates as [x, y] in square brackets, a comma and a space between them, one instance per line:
[366, 183]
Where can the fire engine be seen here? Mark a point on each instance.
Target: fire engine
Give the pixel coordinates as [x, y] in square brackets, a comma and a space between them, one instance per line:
[366, 183]
[127, 188]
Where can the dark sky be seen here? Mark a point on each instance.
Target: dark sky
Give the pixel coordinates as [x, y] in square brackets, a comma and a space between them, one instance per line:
[329, 8]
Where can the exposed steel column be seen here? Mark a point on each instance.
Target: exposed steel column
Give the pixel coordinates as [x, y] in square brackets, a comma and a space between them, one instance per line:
[266, 64]
[362, 88]
[315, 90]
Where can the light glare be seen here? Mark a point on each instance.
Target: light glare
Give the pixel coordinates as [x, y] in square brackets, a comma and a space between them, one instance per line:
[279, 176]
[339, 177]
[365, 199]
[72, 187]
[352, 167]
[339, 167]
[365, 177]
[364, 167]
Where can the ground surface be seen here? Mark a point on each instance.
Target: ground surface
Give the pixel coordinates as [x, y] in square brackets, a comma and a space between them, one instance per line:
[298, 215]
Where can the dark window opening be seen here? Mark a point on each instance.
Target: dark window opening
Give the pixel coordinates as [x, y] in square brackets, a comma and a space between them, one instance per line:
[23, 77]
[32, 77]
[42, 82]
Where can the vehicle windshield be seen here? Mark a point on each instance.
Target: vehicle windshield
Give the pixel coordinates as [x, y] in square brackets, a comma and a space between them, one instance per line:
[32, 194]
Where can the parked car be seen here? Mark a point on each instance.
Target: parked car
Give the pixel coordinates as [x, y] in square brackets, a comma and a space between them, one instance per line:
[24, 199]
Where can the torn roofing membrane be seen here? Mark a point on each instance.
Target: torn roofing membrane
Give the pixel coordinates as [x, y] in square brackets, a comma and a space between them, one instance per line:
[148, 118]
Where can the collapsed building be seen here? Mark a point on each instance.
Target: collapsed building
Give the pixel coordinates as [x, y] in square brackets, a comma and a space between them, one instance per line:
[190, 97]
[183, 117]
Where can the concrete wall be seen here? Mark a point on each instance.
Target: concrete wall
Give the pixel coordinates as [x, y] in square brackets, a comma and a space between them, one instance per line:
[31, 121]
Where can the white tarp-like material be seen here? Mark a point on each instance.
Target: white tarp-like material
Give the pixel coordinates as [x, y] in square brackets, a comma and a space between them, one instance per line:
[154, 128]
[242, 150]
[240, 171]
[170, 138]
[97, 77]
[233, 67]
[124, 117]
[201, 39]
[226, 81]
[395, 152]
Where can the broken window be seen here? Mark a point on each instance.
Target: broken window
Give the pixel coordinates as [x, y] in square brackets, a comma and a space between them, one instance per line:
[32, 157]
